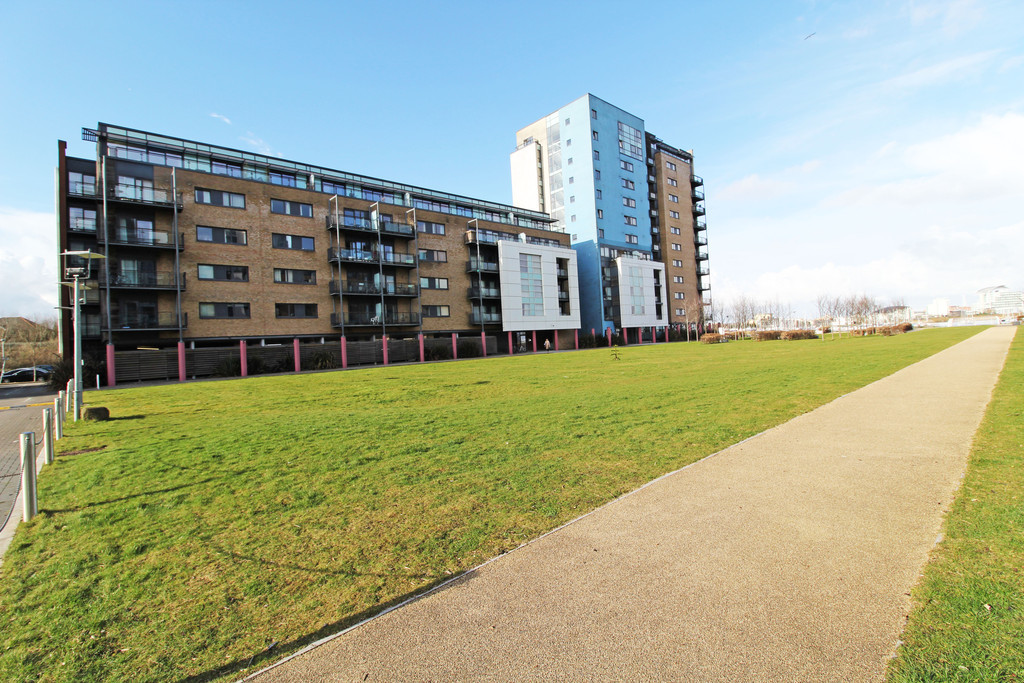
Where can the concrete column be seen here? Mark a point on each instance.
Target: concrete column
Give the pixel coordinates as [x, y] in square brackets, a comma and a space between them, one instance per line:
[576, 336]
[244, 356]
[510, 343]
[298, 355]
[111, 370]
[384, 347]
[535, 341]
[455, 345]
[483, 343]
[666, 334]
[58, 419]
[181, 361]
[344, 353]
[609, 335]
[422, 355]
[556, 340]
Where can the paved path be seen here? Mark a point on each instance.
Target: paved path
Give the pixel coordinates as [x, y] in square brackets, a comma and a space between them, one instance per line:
[788, 557]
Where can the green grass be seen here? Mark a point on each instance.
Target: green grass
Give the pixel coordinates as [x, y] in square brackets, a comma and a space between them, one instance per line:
[968, 621]
[220, 517]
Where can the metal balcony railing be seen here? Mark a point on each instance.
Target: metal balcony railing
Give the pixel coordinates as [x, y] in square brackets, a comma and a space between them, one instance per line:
[486, 292]
[696, 180]
[147, 321]
[700, 224]
[396, 228]
[161, 279]
[697, 194]
[700, 241]
[703, 270]
[484, 266]
[349, 223]
[141, 237]
[488, 318]
[374, 288]
[395, 258]
[80, 189]
[702, 255]
[698, 209]
[82, 224]
[367, 319]
[143, 195]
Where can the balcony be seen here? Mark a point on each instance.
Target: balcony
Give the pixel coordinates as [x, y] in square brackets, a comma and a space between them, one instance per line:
[562, 272]
[357, 287]
[563, 296]
[698, 209]
[79, 224]
[147, 196]
[142, 237]
[699, 241]
[487, 318]
[394, 258]
[697, 195]
[703, 286]
[700, 225]
[702, 255]
[396, 228]
[80, 189]
[349, 223]
[696, 180]
[481, 266]
[351, 255]
[703, 270]
[486, 293]
[137, 322]
[483, 237]
[161, 279]
[368, 320]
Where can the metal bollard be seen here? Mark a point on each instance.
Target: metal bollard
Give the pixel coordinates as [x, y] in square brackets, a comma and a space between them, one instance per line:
[28, 476]
[58, 422]
[47, 436]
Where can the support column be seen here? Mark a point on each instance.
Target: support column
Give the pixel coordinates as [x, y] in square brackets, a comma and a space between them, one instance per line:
[244, 355]
[666, 334]
[654, 335]
[608, 330]
[422, 355]
[181, 361]
[535, 341]
[384, 346]
[455, 345]
[510, 343]
[111, 370]
[556, 340]
[344, 353]
[298, 355]
[576, 336]
[483, 343]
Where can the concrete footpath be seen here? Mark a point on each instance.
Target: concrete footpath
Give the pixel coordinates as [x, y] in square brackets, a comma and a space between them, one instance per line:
[788, 557]
[21, 410]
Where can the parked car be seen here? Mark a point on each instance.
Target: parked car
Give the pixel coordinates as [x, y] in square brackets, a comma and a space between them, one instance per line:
[42, 373]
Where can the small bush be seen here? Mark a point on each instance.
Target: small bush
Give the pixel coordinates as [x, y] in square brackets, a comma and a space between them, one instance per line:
[905, 327]
[323, 360]
[767, 335]
[790, 335]
[469, 349]
[712, 338]
[588, 341]
[63, 372]
[438, 352]
[228, 367]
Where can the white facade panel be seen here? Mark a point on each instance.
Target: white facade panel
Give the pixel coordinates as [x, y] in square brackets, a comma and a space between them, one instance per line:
[640, 283]
[526, 192]
[552, 318]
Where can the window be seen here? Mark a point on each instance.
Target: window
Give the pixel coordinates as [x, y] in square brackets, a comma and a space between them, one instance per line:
[628, 184]
[626, 165]
[572, 179]
[679, 311]
[436, 311]
[286, 179]
[676, 247]
[223, 310]
[567, 122]
[673, 198]
[679, 295]
[593, 113]
[630, 143]
[332, 187]
[597, 155]
[632, 239]
[81, 183]
[678, 279]
[674, 214]
[533, 291]
[600, 233]
[677, 263]
[569, 162]
[220, 235]
[82, 220]
[672, 182]
[572, 199]
[223, 273]
[295, 310]
[434, 283]
[572, 219]
[593, 135]
[429, 228]
[291, 208]
[292, 276]
[568, 142]
[670, 165]
[628, 201]
[597, 174]
[222, 168]
[597, 194]
[433, 255]
[676, 231]
[297, 242]
[629, 220]
[600, 213]
[218, 198]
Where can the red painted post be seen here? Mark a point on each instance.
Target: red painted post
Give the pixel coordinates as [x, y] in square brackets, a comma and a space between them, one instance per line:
[576, 335]
[609, 331]
[625, 336]
[181, 361]
[483, 343]
[593, 333]
[298, 355]
[422, 355]
[384, 346]
[244, 357]
[111, 370]
[344, 353]
[510, 343]
[535, 341]
[666, 334]
[556, 340]
[455, 346]
[654, 335]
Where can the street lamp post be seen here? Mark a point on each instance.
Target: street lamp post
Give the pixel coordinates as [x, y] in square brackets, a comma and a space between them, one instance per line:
[76, 273]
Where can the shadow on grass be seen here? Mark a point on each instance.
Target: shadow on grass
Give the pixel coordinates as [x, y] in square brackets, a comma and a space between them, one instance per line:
[246, 666]
[127, 417]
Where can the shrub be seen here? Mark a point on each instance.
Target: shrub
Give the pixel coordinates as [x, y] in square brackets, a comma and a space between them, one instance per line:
[588, 341]
[712, 338]
[790, 335]
[469, 349]
[63, 372]
[323, 360]
[905, 327]
[767, 335]
[228, 367]
[438, 352]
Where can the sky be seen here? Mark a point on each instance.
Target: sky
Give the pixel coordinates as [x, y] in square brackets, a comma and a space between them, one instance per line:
[871, 147]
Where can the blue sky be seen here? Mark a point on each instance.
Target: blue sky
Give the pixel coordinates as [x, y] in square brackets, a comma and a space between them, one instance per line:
[846, 147]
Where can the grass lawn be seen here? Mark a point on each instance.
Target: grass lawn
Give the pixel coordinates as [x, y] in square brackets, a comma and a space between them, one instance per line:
[968, 622]
[211, 520]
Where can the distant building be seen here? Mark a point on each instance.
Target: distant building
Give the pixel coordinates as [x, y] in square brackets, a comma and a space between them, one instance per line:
[939, 308]
[1000, 300]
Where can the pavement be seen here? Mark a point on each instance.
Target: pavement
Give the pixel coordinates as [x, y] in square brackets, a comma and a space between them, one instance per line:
[787, 557]
[21, 410]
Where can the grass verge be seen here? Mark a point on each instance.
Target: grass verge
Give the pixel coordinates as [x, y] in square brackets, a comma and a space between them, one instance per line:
[968, 621]
[211, 527]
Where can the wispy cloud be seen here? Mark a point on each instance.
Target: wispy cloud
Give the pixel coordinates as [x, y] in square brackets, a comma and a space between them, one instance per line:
[943, 72]
[259, 144]
[28, 263]
[221, 117]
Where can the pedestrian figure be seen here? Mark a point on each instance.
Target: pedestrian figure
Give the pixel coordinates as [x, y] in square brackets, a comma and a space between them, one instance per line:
[547, 344]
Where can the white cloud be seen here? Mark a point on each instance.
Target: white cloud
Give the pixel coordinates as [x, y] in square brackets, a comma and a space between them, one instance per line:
[753, 188]
[259, 144]
[1011, 63]
[222, 118]
[942, 72]
[955, 16]
[28, 263]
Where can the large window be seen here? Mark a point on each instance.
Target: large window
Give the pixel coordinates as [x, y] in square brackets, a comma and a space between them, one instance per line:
[297, 242]
[286, 179]
[672, 182]
[293, 276]
[670, 165]
[223, 310]
[676, 247]
[629, 220]
[626, 165]
[81, 183]
[429, 228]
[628, 184]
[532, 284]
[434, 255]
[219, 198]
[630, 143]
[220, 235]
[82, 220]
[629, 201]
[295, 310]
[434, 282]
[635, 282]
[436, 311]
[291, 208]
[224, 273]
[222, 168]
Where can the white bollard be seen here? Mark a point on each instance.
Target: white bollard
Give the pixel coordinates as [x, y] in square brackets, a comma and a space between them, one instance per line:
[58, 420]
[47, 436]
[28, 476]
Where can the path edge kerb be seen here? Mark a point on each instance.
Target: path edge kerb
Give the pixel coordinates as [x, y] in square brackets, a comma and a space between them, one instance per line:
[466, 574]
